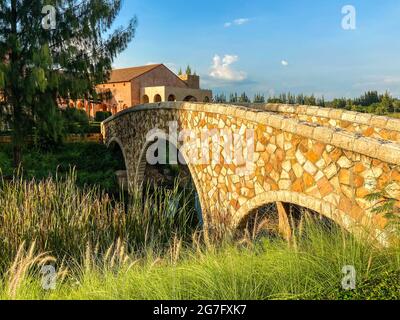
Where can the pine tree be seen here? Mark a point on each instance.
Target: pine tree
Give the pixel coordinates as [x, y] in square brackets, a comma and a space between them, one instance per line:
[244, 98]
[44, 60]
[188, 71]
[259, 98]
[180, 72]
[220, 98]
[233, 98]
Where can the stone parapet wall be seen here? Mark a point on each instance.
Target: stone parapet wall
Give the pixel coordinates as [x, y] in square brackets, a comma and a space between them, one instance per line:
[368, 125]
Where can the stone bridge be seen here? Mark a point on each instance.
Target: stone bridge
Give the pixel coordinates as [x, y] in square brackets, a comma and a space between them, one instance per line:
[322, 159]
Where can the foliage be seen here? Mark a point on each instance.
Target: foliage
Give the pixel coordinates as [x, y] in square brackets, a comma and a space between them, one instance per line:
[39, 66]
[244, 98]
[300, 99]
[75, 121]
[220, 98]
[386, 203]
[101, 116]
[95, 164]
[233, 98]
[259, 98]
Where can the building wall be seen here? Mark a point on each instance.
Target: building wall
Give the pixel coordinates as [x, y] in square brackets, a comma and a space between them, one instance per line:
[179, 94]
[183, 94]
[158, 77]
[192, 81]
[159, 81]
[122, 97]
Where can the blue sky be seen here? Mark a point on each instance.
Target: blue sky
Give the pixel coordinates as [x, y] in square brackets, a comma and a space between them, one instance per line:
[271, 46]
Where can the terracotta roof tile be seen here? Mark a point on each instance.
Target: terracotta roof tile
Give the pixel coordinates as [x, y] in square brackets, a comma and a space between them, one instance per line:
[126, 75]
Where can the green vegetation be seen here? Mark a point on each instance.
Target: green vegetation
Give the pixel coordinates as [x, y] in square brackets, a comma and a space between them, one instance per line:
[63, 219]
[96, 165]
[101, 116]
[105, 250]
[370, 102]
[37, 73]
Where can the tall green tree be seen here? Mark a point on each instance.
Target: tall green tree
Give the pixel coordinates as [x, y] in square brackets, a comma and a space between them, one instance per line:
[220, 98]
[233, 98]
[244, 98]
[50, 51]
[259, 98]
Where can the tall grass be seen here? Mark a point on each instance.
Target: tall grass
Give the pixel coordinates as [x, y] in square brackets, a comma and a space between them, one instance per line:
[63, 219]
[105, 249]
[269, 270]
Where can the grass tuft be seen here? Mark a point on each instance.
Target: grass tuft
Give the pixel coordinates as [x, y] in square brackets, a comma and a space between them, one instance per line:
[147, 248]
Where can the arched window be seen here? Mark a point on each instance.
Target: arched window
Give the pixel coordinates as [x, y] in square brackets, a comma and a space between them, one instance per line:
[145, 99]
[171, 97]
[190, 99]
[157, 98]
[206, 99]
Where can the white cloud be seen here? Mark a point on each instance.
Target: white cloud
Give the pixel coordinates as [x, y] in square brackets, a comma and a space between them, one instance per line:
[222, 69]
[237, 22]
[241, 21]
[378, 81]
[284, 63]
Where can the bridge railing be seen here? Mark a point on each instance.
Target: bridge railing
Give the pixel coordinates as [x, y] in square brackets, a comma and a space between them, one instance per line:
[369, 125]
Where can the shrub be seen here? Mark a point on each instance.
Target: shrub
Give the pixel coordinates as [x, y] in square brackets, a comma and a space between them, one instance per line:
[75, 121]
[101, 116]
[95, 164]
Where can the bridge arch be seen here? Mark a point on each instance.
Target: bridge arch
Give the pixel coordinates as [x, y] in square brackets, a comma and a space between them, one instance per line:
[320, 206]
[142, 164]
[116, 142]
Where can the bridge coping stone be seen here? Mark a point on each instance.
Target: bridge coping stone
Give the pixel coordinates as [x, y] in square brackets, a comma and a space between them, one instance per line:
[345, 115]
[384, 150]
[381, 122]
